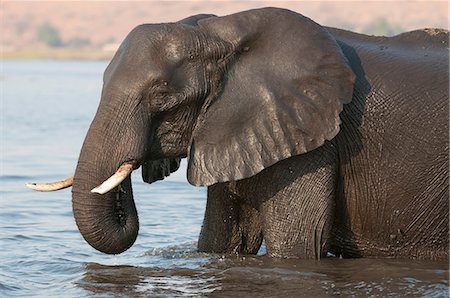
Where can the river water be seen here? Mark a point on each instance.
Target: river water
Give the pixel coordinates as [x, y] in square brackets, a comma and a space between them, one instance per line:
[46, 108]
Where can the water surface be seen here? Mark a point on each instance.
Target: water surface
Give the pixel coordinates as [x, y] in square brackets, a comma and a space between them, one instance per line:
[46, 109]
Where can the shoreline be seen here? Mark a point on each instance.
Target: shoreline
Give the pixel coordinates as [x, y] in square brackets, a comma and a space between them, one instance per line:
[57, 54]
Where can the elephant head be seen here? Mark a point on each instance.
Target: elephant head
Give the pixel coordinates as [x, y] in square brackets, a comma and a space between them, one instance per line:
[234, 94]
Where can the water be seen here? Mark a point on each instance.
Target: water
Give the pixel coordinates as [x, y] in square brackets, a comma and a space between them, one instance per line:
[46, 110]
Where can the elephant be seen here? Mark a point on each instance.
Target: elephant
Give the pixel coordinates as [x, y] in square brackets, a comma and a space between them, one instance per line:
[314, 139]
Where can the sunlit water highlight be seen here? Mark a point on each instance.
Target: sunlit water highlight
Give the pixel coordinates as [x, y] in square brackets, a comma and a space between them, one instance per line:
[46, 110]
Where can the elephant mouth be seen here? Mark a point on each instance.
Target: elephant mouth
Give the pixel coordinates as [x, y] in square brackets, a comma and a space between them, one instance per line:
[109, 184]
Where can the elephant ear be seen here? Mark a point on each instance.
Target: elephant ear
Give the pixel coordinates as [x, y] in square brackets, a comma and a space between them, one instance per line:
[282, 95]
[154, 170]
[193, 20]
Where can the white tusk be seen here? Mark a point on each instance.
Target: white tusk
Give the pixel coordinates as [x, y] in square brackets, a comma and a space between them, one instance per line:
[113, 181]
[52, 186]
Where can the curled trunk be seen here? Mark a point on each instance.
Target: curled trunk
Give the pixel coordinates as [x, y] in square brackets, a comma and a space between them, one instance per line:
[108, 222]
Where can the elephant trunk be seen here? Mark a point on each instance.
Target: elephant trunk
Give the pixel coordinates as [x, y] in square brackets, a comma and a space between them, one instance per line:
[109, 221]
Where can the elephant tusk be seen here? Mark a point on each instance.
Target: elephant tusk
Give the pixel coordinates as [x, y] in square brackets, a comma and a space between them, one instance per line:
[113, 181]
[52, 186]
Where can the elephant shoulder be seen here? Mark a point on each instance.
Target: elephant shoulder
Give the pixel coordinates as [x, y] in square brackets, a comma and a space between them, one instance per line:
[351, 37]
[425, 49]
[428, 37]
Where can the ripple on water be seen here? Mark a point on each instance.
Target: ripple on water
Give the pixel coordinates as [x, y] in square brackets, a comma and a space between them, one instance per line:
[145, 281]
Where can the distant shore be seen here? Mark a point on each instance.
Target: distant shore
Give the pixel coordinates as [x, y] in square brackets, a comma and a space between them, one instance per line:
[58, 54]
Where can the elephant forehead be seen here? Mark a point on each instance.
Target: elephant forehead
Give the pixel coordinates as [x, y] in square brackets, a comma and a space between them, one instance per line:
[177, 40]
[151, 41]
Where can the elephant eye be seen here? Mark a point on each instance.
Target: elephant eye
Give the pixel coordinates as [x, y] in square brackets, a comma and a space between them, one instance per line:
[159, 86]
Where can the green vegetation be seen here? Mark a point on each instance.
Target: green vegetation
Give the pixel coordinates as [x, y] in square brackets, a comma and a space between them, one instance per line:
[82, 48]
[49, 35]
[78, 42]
[382, 27]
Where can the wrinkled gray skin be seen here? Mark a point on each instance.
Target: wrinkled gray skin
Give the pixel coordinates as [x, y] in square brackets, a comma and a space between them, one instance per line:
[314, 139]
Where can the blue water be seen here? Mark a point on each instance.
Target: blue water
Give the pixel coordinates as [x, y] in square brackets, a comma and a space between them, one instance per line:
[46, 108]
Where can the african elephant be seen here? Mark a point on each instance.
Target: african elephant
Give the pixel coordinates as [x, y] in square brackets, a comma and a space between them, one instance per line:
[315, 139]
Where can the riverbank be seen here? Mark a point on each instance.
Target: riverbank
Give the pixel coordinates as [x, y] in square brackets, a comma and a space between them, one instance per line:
[57, 54]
